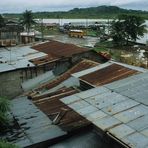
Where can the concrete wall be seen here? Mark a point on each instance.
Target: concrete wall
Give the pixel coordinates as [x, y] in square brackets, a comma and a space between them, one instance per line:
[10, 84]
[11, 81]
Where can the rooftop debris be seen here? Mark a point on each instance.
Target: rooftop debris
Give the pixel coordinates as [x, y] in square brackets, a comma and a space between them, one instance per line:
[58, 112]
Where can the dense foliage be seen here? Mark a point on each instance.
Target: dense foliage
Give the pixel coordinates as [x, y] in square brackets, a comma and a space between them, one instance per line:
[2, 21]
[4, 144]
[127, 28]
[4, 108]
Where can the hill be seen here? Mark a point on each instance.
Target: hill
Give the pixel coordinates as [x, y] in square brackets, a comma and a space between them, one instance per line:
[91, 12]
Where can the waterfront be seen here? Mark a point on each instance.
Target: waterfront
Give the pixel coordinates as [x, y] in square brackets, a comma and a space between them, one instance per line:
[87, 22]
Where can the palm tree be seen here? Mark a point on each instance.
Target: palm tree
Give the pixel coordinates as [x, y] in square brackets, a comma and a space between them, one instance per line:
[27, 20]
[127, 28]
[2, 21]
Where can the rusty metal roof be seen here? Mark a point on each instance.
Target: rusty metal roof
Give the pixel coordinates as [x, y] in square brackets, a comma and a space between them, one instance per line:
[58, 49]
[44, 60]
[85, 64]
[58, 112]
[108, 74]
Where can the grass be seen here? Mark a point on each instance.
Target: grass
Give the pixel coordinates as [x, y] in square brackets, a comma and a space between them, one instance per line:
[46, 31]
[91, 33]
[4, 108]
[105, 44]
[5, 144]
[99, 49]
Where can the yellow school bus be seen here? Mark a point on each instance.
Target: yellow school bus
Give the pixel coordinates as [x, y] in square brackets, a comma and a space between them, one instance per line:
[77, 33]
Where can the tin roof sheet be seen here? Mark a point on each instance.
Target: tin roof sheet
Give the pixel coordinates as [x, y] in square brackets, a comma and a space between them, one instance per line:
[18, 57]
[35, 125]
[122, 116]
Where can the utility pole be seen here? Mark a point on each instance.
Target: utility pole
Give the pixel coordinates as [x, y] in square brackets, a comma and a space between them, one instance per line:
[42, 30]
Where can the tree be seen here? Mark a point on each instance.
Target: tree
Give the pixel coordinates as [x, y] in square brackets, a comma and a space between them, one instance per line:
[2, 21]
[27, 20]
[127, 28]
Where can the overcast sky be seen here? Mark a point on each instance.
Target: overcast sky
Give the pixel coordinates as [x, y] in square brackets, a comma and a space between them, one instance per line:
[56, 5]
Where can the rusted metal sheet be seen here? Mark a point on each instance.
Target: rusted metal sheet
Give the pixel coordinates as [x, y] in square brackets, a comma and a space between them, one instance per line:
[85, 64]
[108, 74]
[58, 112]
[59, 49]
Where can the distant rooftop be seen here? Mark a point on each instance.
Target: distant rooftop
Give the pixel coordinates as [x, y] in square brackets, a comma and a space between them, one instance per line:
[58, 49]
[13, 58]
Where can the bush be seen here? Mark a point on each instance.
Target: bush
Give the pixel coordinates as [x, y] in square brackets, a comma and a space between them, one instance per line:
[4, 108]
[4, 105]
[5, 144]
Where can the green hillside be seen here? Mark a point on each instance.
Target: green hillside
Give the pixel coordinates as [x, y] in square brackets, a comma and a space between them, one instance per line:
[91, 12]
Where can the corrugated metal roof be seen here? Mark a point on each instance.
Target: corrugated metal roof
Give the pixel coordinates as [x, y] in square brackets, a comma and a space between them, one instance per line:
[85, 64]
[59, 49]
[35, 126]
[51, 105]
[117, 112]
[107, 74]
[18, 57]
